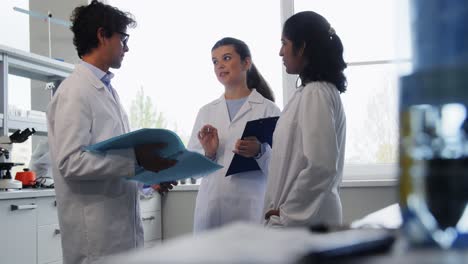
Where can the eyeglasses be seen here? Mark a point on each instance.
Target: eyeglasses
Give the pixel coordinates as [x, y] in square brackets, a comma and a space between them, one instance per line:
[124, 38]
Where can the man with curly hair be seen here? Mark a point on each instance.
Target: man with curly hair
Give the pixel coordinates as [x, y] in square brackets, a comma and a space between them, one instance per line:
[98, 208]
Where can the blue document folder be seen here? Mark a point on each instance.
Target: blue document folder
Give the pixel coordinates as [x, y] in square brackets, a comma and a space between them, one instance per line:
[262, 129]
[189, 164]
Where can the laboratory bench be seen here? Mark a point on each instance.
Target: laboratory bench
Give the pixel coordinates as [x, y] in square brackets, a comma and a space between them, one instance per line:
[250, 243]
[400, 253]
[27, 193]
[29, 225]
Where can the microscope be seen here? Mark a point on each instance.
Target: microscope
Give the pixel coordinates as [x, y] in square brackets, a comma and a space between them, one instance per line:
[6, 144]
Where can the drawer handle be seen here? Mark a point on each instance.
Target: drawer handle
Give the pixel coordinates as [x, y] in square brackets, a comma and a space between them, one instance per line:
[148, 218]
[57, 232]
[15, 207]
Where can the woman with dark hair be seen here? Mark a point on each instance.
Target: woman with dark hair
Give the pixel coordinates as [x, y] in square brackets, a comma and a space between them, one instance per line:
[217, 132]
[306, 169]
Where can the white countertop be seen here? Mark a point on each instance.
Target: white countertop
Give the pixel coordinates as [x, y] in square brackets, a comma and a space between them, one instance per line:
[185, 188]
[30, 193]
[344, 184]
[26, 193]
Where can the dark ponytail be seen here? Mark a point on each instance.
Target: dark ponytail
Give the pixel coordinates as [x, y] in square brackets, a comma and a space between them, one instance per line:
[323, 49]
[254, 79]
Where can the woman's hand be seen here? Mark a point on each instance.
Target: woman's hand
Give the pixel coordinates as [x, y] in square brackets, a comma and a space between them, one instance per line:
[208, 137]
[271, 213]
[248, 147]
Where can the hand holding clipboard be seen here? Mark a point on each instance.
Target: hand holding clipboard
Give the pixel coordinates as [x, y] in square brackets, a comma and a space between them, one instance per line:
[263, 130]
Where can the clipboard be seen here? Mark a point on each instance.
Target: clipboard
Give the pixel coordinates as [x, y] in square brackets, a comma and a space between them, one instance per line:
[262, 129]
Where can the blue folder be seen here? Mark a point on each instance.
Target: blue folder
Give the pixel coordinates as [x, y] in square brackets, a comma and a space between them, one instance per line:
[189, 164]
[262, 129]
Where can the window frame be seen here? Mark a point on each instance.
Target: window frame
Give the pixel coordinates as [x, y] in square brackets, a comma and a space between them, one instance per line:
[376, 172]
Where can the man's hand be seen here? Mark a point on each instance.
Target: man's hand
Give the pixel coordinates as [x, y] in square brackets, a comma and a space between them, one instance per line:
[271, 213]
[164, 187]
[147, 157]
[248, 147]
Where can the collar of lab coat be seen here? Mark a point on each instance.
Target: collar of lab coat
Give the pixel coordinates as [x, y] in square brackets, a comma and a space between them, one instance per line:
[254, 98]
[93, 79]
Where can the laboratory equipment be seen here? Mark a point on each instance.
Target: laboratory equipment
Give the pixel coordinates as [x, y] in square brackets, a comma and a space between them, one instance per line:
[27, 177]
[6, 142]
[49, 18]
[434, 126]
[6, 181]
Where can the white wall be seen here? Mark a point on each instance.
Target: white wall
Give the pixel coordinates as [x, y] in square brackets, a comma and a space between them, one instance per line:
[62, 44]
[62, 40]
[178, 206]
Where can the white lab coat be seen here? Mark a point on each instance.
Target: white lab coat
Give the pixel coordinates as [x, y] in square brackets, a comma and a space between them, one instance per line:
[238, 197]
[40, 161]
[306, 165]
[98, 209]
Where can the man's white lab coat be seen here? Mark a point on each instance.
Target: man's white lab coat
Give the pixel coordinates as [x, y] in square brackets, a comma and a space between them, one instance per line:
[98, 209]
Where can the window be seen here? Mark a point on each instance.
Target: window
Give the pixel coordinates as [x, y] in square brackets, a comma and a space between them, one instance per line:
[18, 38]
[376, 43]
[170, 53]
[169, 63]
[19, 89]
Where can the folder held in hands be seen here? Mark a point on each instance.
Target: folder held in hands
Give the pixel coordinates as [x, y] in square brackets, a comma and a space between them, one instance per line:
[189, 164]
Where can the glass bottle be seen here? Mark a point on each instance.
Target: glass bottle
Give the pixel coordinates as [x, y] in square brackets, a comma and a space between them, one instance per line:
[434, 125]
